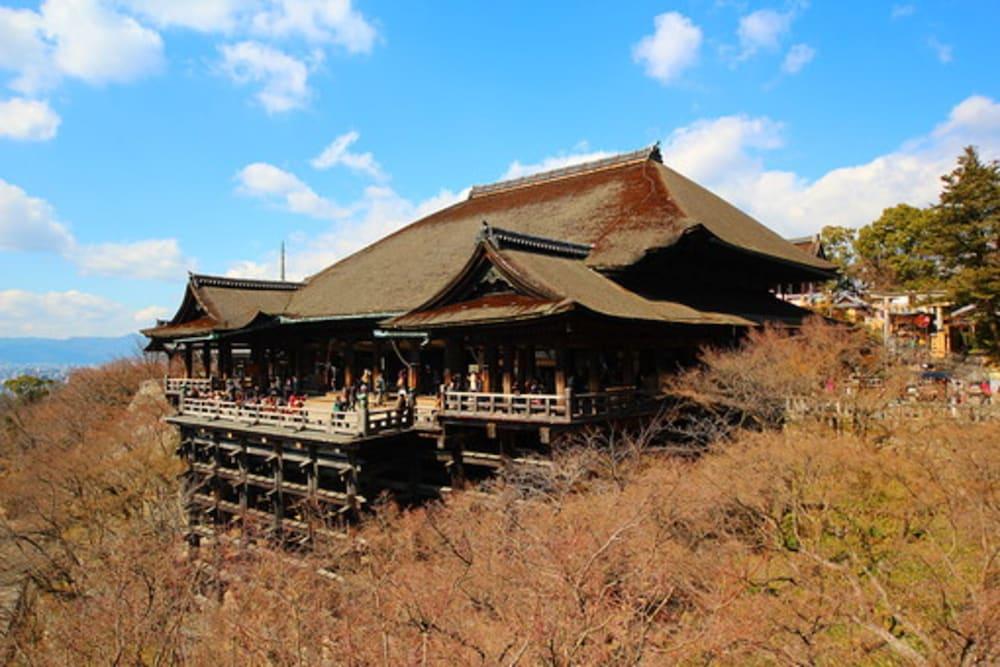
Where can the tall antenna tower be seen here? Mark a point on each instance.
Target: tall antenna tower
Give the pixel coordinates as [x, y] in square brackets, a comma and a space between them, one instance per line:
[282, 260]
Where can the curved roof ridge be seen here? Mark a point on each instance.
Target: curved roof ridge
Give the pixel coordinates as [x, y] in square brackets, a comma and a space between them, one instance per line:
[641, 155]
[204, 280]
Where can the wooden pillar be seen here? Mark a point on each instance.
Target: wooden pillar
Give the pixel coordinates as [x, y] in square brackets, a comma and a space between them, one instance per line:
[560, 371]
[188, 360]
[593, 371]
[507, 378]
[489, 370]
[278, 496]
[260, 372]
[413, 373]
[206, 358]
[530, 372]
[225, 359]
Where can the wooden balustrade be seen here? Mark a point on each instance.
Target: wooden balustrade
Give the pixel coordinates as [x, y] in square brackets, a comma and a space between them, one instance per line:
[353, 423]
[177, 385]
[541, 407]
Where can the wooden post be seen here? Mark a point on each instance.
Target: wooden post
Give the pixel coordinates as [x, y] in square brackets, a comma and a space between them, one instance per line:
[507, 379]
[413, 375]
[225, 360]
[489, 371]
[520, 366]
[206, 359]
[188, 360]
[278, 498]
[560, 371]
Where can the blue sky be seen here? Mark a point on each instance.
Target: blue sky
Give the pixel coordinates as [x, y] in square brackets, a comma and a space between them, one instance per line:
[143, 138]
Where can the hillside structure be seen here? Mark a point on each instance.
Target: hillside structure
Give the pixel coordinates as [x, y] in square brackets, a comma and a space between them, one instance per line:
[468, 340]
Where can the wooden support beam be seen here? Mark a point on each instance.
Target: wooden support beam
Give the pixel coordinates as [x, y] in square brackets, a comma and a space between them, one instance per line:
[593, 371]
[560, 371]
[206, 358]
[489, 371]
[188, 360]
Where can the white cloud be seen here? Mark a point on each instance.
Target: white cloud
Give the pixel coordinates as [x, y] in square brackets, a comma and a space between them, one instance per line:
[724, 154]
[152, 259]
[284, 80]
[516, 169]
[27, 120]
[672, 48]
[339, 153]
[941, 50]
[29, 223]
[797, 57]
[61, 314]
[147, 316]
[82, 39]
[379, 212]
[319, 21]
[200, 15]
[763, 29]
[266, 181]
[901, 11]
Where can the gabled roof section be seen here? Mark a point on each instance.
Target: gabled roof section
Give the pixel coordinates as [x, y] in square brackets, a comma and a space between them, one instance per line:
[220, 303]
[621, 208]
[540, 282]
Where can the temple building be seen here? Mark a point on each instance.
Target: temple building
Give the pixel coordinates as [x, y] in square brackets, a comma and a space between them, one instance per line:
[469, 340]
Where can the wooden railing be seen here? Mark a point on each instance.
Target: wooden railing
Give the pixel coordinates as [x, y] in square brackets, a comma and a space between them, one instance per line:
[176, 385]
[540, 407]
[362, 422]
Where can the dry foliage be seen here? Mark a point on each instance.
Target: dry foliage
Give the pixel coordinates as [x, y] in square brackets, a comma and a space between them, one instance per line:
[800, 546]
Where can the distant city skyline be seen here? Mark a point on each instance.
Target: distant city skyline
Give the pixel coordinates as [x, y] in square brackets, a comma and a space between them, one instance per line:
[141, 139]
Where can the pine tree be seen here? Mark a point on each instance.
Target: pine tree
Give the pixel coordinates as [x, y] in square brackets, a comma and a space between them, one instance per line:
[966, 241]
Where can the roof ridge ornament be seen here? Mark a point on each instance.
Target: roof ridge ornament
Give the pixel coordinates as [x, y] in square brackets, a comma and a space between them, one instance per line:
[202, 280]
[503, 239]
[641, 155]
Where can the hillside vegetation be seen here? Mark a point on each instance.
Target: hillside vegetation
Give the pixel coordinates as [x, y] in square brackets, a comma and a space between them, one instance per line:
[771, 546]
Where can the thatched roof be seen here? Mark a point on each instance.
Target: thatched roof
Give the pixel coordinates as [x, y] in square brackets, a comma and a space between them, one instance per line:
[623, 207]
[217, 303]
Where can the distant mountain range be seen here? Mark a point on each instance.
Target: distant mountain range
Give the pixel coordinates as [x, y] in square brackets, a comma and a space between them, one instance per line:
[67, 351]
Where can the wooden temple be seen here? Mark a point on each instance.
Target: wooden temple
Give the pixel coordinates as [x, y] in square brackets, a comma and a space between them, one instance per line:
[469, 340]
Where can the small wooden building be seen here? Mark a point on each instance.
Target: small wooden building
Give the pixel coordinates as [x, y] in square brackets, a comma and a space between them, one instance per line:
[468, 340]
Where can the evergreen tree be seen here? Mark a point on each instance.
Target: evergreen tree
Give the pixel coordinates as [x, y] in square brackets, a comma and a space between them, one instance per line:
[966, 240]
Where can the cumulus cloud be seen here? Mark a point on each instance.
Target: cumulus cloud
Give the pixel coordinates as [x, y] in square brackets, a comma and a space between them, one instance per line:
[152, 259]
[379, 212]
[200, 15]
[30, 224]
[321, 21]
[672, 48]
[62, 314]
[797, 57]
[27, 120]
[762, 29]
[147, 316]
[283, 80]
[274, 184]
[725, 154]
[81, 39]
[338, 152]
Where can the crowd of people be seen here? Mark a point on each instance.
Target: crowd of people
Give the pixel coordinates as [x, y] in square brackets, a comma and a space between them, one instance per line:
[279, 394]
